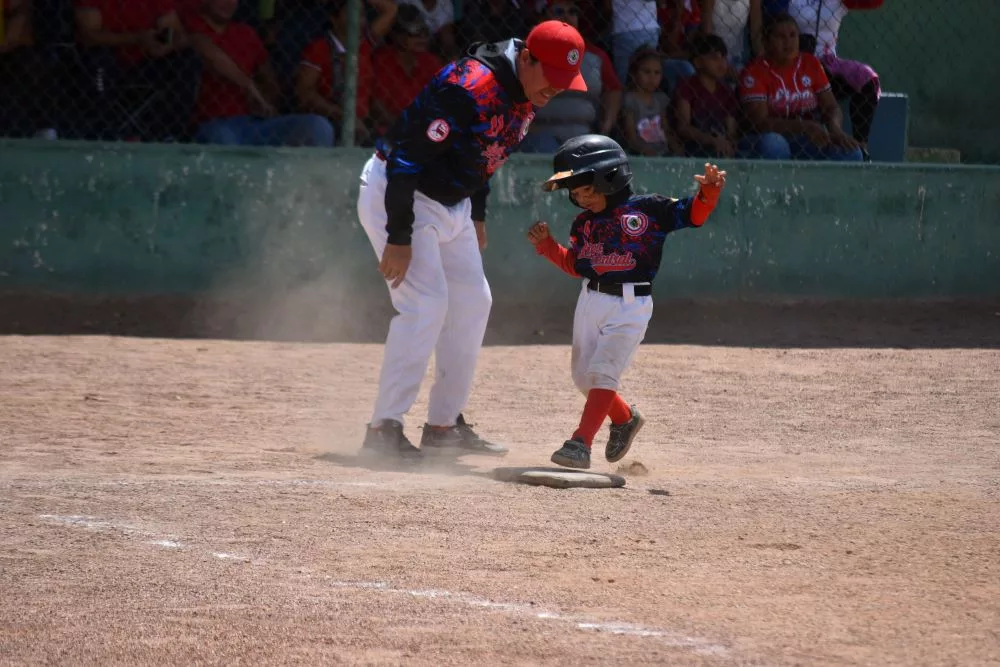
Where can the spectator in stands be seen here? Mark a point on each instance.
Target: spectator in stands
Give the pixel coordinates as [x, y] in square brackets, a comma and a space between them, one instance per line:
[573, 113]
[440, 16]
[634, 26]
[150, 47]
[493, 21]
[819, 24]
[404, 67]
[644, 117]
[24, 109]
[230, 111]
[677, 19]
[729, 20]
[706, 110]
[788, 102]
[321, 74]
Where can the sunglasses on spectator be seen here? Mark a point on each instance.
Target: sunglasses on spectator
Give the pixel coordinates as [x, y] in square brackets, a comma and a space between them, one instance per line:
[565, 11]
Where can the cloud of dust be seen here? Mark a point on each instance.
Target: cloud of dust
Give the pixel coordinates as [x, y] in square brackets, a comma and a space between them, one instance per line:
[303, 257]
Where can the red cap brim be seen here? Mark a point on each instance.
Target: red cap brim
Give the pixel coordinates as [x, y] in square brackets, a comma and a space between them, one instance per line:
[564, 78]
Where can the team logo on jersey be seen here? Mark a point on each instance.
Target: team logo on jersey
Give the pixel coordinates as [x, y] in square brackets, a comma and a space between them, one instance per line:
[438, 130]
[606, 262]
[573, 57]
[635, 224]
[526, 125]
[807, 80]
[748, 81]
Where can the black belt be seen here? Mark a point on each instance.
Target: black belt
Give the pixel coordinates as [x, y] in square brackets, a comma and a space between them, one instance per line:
[615, 289]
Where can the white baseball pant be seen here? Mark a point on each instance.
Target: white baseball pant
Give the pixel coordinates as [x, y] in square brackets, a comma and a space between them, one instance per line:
[443, 304]
[607, 331]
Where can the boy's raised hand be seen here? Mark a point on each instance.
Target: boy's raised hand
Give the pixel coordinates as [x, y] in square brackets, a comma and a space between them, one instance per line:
[712, 178]
[538, 232]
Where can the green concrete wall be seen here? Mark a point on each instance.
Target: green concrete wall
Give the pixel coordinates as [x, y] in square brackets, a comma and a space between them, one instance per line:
[940, 54]
[140, 219]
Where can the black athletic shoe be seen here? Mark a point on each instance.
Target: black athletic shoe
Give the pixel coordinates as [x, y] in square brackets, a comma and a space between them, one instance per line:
[388, 441]
[573, 454]
[460, 439]
[620, 440]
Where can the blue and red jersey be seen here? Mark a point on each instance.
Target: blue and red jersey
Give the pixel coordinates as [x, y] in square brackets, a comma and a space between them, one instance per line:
[458, 131]
[624, 243]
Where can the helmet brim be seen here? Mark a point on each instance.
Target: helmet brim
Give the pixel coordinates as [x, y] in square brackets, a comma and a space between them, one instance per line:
[558, 180]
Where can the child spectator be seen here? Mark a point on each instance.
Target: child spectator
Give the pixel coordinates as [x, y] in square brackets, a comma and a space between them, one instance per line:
[404, 66]
[644, 115]
[321, 76]
[788, 102]
[231, 111]
[705, 108]
[149, 46]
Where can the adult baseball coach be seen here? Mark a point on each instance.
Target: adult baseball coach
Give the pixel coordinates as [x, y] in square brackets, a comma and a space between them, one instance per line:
[420, 193]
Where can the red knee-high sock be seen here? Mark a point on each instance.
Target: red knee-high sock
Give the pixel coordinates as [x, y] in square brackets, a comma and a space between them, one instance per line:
[620, 412]
[599, 401]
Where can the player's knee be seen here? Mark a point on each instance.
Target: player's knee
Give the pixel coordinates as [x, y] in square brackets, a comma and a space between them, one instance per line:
[582, 381]
[482, 301]
[602, 381]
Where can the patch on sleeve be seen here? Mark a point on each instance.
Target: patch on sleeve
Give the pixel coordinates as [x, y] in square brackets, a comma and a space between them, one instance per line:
[438, 130]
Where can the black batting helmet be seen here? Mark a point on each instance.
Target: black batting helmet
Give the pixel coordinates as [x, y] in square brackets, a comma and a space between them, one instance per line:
[590, 159]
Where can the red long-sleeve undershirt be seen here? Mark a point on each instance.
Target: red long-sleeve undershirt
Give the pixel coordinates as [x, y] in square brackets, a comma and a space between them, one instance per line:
[701, 207]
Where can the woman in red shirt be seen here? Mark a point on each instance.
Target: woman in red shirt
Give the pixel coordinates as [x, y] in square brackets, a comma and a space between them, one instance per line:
[787, 100]
[404, 67]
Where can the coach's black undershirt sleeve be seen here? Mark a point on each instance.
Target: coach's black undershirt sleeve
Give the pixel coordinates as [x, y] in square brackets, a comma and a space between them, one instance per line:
[414, 149]
[479, 198]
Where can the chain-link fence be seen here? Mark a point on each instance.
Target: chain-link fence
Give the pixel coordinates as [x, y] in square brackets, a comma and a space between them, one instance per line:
[779, 79]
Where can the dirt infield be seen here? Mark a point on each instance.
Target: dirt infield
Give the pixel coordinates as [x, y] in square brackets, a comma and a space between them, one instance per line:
[199, 502]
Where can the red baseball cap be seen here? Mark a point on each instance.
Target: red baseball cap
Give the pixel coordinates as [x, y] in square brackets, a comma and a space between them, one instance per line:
[559, 48]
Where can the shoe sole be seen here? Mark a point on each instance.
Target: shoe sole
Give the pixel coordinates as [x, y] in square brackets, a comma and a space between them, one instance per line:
[567, 462]
[628, 445]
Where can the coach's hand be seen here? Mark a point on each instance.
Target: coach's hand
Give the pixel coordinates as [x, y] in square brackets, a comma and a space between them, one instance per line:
[395, 262]
[481, 233]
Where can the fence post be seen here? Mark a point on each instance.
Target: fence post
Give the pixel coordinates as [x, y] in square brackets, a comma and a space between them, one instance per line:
[351, 72]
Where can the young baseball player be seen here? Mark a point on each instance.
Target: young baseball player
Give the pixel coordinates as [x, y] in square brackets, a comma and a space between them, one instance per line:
[422, 202]
[615, 245]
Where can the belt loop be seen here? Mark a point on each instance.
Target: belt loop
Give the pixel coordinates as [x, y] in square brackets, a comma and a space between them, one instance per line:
[628, 292]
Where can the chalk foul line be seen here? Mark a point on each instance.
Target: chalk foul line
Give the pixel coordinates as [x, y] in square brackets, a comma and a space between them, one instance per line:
[695, 644]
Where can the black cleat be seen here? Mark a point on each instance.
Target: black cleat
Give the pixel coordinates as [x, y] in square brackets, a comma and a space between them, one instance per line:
[622, 435]
[460, 439]
[573, 454]
[389, 442]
